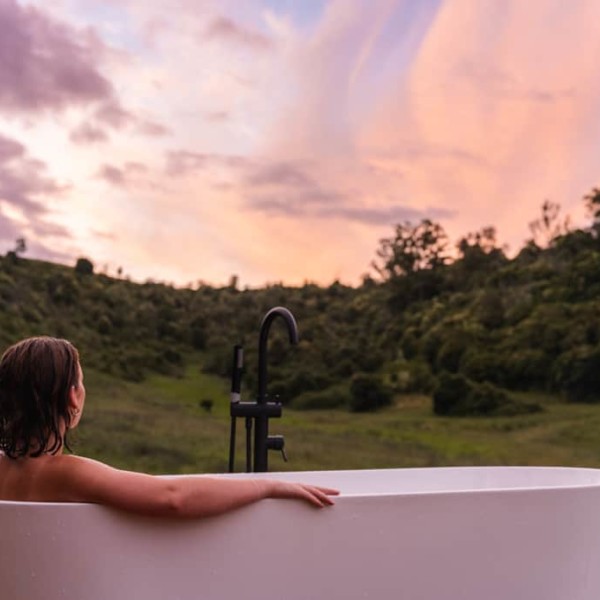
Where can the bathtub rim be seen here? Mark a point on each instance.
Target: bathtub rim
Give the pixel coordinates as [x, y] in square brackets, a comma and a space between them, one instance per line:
[448, 469]
[297, 476]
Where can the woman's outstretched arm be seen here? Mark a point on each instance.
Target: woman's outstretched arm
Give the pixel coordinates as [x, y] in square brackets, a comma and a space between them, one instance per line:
[79, 479]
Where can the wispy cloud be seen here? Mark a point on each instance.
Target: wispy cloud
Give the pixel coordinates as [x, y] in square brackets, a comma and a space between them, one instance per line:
[122, 176]
[23, 179]
[86, 133]
[25, 189]
[226, 29]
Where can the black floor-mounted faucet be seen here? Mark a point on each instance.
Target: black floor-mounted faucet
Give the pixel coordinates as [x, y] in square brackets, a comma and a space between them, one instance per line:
[261, 410]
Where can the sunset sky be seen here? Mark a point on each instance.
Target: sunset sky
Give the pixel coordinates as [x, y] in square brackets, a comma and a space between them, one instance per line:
[279, 140]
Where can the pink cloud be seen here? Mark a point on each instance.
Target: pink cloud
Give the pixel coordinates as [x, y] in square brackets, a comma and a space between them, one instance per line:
[122, 176]
[86, 133]
[151, 128]
[226, 29]
[23, 179]
[46, 65]
[24, 193]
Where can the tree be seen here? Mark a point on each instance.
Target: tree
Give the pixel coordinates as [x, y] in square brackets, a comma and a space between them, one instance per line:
[483, 241]
[592, 204]
[233, 284]
[479, 256]
[413, 248]
[20, 246]
[84, 266]
[549, 226]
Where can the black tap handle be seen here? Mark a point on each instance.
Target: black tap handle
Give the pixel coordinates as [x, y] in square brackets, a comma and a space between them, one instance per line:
[277, 442]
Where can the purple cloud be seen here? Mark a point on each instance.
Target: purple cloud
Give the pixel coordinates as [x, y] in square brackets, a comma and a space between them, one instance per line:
[280, 174]
[183, 162]
[285, 188]
[23, 178]
[503, 84]
[121, 177]
[151, 128]
[10, 149]
[87, 133]
[386, 215]
[228, 30]
[8, 230]
[46, 65]
[24, 186]
[218, 116]
[111, 113]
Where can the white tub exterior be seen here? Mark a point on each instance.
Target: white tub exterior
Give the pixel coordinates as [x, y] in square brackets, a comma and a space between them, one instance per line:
[409, 534]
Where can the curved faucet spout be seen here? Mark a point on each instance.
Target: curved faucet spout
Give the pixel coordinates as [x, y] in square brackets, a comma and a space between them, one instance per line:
[265, 326]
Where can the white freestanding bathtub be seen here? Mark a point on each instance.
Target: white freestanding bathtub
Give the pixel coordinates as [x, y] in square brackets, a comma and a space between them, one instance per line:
[410, 534]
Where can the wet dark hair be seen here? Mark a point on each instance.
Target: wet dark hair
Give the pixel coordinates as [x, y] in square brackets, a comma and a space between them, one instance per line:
[36, 375]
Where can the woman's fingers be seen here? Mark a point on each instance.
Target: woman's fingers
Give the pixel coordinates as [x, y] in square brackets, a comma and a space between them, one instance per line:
[319, 496]
[328, 491]
[315, 495]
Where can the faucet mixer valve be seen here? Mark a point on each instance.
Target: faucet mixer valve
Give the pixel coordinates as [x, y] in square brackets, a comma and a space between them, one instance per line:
[277, 442]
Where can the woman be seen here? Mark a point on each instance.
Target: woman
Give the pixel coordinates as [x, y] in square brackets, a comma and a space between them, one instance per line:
[42, 397]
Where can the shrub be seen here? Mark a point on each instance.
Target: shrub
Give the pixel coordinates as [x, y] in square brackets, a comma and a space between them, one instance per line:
[450, 395]
[104, 325]
[525, 369]
[452, 350]
[490, 309]
[332, 397]
[416, 377]
[368, 393]
[410, 343]
[84, 266]
[577, 374]
[62, 289]
[482, 365]
[456, 396]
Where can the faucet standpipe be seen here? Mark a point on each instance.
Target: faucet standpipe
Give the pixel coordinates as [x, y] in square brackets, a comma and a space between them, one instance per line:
[261, 410]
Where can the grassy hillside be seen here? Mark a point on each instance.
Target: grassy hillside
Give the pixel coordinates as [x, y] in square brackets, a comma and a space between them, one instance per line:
[158, 426]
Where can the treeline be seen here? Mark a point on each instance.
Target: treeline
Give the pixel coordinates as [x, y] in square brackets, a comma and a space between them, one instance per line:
[465, 324]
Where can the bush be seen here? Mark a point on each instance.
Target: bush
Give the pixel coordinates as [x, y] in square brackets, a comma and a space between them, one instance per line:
[305, 379]
[456, 396]
[452, 350]
[84, 266]
[62, 289]
[104, 325]
[332, 397]
[525, 369]
[482, 365]
[577, 374]
[449, 397]
[416, 377]
[368, 393]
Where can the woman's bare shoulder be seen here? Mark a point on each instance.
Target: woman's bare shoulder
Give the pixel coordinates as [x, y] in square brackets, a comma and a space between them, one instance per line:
[50, 478]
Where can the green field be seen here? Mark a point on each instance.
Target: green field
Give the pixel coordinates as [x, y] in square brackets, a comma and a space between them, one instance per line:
[159, 426]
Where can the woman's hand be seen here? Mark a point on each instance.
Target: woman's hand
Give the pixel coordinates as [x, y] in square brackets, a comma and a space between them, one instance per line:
[315, 495]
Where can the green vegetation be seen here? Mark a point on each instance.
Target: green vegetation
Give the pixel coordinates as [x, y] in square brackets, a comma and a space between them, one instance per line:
[159, 426]
[509, 345]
